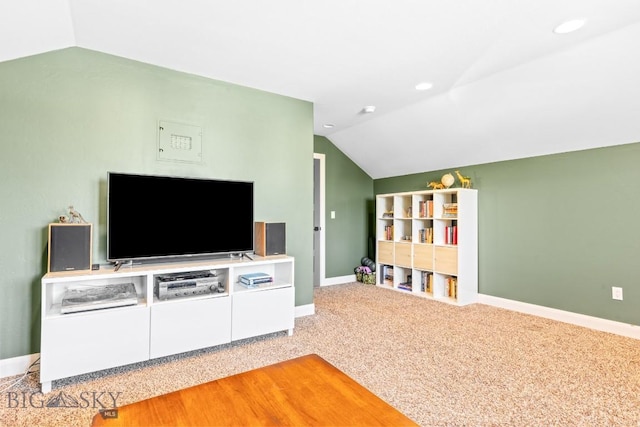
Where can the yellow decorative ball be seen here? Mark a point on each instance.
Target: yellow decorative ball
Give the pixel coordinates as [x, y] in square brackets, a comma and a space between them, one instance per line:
[447, 180]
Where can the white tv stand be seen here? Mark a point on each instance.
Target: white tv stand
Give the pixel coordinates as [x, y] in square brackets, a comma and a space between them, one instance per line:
[88, 341]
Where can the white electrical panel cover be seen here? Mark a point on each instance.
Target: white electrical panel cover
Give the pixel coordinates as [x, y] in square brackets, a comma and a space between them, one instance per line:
[179, 142]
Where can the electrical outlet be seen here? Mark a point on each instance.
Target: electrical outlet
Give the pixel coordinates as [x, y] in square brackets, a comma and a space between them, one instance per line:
[616, 293]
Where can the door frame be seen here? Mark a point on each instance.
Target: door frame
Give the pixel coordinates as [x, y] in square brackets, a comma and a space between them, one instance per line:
[320, 186]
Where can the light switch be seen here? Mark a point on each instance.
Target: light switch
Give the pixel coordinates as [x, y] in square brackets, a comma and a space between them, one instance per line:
[333, 214]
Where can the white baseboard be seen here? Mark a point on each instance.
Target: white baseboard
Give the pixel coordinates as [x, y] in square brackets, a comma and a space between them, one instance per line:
[330, 281]
[604, 325]
[305, 310]
[17, 365]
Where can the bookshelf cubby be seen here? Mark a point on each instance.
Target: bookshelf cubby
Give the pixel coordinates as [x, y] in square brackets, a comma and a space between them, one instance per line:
[427, 243]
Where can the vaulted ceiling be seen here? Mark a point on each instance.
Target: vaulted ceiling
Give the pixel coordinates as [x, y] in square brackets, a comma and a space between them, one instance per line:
[504, 85]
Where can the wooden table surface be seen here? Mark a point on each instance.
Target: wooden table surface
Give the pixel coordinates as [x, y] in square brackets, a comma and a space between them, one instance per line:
[306, 391]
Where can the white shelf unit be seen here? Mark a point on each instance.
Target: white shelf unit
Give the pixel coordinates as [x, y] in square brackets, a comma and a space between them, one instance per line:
[414, 253]
[88, 341]
[249, 317]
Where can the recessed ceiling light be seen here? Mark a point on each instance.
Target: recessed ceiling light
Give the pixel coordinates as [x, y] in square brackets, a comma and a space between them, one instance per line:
[369, 109]
[569, 26]
[328, 125]
[424, 86]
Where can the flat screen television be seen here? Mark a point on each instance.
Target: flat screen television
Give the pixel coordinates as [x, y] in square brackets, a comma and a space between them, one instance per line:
[151, 217]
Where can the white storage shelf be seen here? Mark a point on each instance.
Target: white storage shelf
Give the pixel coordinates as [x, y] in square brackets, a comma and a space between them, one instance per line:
[417, 246]
[221, 274]
[57, 284]
[88, 341]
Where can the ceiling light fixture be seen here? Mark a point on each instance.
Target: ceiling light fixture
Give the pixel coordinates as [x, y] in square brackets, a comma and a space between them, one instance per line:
[569, 26]
[424, 86]
[327, 125]
[369, 109]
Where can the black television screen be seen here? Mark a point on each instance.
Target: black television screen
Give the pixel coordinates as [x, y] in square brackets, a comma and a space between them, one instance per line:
[151, 217]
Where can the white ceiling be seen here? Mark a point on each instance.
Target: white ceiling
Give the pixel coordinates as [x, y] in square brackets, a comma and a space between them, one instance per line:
[504, 85]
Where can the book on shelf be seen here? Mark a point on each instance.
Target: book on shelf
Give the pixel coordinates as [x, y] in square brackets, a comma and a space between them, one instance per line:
[247, 285]
[425, 235]
[406, 285]
[386, 276]
[425, 209]
[253, 284]
[254, 279]
[426, 282]
[451, 235]
[255, 275]
[449, 210]
[388, 232]
[452, 287]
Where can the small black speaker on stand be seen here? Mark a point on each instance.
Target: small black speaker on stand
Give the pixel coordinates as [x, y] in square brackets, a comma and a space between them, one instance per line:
[70, 247]
[270, 238]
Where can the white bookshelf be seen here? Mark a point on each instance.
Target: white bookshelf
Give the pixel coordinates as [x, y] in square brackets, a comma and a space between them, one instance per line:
[435, 250]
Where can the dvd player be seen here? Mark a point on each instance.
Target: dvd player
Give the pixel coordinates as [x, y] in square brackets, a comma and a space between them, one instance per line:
[187, 284]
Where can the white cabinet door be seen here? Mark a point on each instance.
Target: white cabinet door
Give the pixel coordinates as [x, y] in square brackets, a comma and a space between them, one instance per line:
[262, 312]
[180, 326]
[78, 343]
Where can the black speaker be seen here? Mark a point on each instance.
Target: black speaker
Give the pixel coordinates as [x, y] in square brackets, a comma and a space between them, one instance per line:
[270, 238]
[70, 247]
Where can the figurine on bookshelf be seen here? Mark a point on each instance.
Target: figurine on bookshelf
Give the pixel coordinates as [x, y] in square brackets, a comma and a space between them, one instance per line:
[436, 185]
[75, 217]
[465, 181]
[447, 180]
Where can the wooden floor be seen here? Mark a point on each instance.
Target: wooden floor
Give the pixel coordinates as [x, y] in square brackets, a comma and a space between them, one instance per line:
[306, 391]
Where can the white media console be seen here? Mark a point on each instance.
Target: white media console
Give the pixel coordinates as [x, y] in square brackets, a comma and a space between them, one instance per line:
[87, 341]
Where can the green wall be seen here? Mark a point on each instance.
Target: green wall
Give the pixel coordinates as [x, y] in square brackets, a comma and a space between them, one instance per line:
[348, 192]
[68, 117]
[557, 231]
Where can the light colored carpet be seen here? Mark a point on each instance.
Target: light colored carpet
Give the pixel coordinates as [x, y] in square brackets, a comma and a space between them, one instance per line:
[439, 364]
